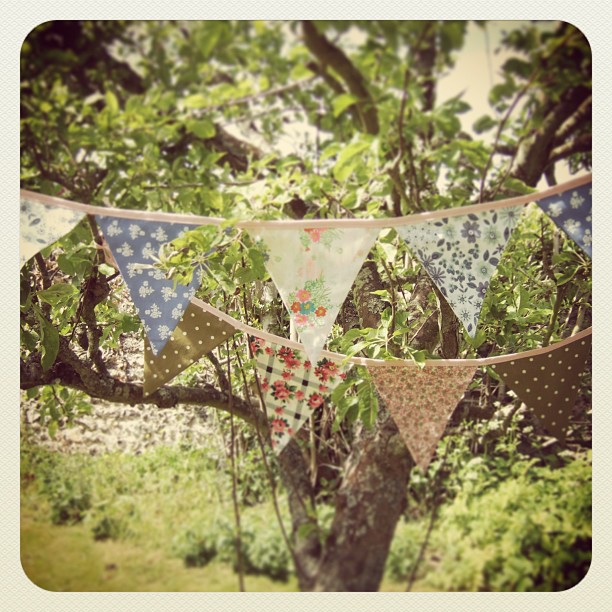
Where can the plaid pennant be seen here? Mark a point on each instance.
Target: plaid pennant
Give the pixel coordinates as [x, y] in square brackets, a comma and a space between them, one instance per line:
[292, 386]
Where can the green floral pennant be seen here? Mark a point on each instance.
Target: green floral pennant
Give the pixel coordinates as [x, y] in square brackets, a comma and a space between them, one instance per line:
[41, 225]
[313, 270]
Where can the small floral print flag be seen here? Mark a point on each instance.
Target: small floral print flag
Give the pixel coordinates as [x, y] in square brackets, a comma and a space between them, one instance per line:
[461, 254]
[571, 210]
[421, 402]
[549, 383]
[313, 270]
[159, 303]
[197, 333]
[292, 386]
[41, 225]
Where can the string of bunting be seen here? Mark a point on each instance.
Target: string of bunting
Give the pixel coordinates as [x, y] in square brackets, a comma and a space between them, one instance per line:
[313, 264]
[420, 399]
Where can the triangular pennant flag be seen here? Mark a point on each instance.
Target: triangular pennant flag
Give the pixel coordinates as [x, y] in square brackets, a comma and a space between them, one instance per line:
[421, 402]
[461, 254]
[41, 225]
[313, 270]
[197, 333]
[292, 386]
[549, 382]
[571, 211]
[135, 244]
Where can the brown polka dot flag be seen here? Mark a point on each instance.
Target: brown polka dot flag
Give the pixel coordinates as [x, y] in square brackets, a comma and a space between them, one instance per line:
[549, 382]
[197, 333]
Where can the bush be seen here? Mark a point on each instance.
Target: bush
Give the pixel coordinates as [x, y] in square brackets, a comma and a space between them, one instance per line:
[526, 534]
[69, 498]
[197, 548]
[263, 549]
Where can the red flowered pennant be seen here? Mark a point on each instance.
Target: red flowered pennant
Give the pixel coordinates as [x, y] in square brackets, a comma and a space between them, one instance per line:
[313, 270]
[549, 382]
[292, 386]
[421, 401]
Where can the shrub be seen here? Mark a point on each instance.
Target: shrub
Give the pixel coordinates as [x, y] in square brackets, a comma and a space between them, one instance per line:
[69, 498]
[196, 547]
[525, 534]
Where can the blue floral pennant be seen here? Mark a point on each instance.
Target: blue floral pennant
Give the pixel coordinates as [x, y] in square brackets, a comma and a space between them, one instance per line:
[571, 211]
[461, 254]
[135, 245]
[313, 270]
[41, 225]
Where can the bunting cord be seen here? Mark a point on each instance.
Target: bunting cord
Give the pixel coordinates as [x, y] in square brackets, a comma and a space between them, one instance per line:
[382, 223]
[366, 361]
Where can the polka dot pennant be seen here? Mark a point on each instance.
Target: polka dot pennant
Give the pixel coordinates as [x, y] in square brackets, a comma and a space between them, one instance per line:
[159, 302]
[197, 333]
[292, 386]
[549, 382]
[421, 401]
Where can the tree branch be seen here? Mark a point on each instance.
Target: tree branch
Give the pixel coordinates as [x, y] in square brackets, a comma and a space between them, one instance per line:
[330, 55]
[581, 144]
[70, 371]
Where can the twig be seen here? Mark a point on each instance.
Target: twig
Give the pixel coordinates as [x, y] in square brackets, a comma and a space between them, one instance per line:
[234, 479]
[432, 519]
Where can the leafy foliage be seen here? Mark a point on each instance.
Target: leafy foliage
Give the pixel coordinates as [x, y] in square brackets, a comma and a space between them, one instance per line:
[269, 120]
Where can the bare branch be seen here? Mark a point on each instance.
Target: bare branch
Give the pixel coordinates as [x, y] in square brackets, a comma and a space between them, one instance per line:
[581, 144]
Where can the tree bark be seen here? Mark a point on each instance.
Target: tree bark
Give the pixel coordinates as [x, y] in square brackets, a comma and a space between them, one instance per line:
[368, 505]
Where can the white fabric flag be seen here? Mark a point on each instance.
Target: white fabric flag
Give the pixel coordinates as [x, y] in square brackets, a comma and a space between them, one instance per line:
[461, 254]
[313, 270]
[41, 225]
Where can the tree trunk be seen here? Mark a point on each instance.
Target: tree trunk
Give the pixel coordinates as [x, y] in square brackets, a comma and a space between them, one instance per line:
[368, 506]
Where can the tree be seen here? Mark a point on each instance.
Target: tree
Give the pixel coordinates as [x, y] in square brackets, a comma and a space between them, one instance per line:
[191, 117]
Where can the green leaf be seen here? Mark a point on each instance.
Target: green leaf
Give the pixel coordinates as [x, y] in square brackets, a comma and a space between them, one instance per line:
[106, 269]
[111, 102]
[342, 102]
[344, 163]
[195, 101]
[49, 341]
[202, 128]
[58, 293]
[484, 124]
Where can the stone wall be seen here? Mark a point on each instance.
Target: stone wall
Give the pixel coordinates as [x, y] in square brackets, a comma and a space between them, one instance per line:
[129, 429]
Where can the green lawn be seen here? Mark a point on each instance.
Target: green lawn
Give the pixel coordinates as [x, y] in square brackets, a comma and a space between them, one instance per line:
[67, 558]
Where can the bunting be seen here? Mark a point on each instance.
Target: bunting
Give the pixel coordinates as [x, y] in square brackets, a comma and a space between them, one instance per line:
[549, 382]
[292, 386]
[159, 302]
[421, 402]
[461, 254]
[197, 333]
[571, 210]
[313, 270]
[41, 225]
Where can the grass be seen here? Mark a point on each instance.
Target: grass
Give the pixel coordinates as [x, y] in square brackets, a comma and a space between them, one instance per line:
[87, 565]
[67, 558]
[163, 521]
